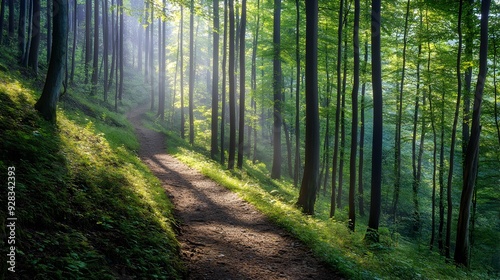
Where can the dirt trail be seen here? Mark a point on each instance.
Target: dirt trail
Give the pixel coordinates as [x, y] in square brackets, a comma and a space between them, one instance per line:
[222, 236]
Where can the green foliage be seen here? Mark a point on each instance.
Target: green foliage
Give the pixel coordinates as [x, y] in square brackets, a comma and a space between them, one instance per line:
[87, 208]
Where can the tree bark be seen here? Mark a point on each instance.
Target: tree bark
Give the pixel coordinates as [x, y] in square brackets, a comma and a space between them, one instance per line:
[35, 39]
[241, 125]
[472, 154]
[191, 72]
[354, 121]
[376, 182]
[307, 195]
[214, 149]
[232, 90]
[276, 169]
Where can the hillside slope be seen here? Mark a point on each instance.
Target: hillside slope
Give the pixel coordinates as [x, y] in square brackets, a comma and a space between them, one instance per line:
[85, 206]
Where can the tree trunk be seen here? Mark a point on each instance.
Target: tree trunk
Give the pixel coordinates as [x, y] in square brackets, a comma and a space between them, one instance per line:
[307, 195]
[191, 72]
[105, 55]
[241, 125]
[11, 19]
[88, 39]
[276, 170]
[297, 167]
[47, 103]
[472, 154]
[35, 39]
[453, 136]
[2, 15]
[362, 139]
[354, 121]
[232, 90]
[254, 81]
[337, 110]
[21, 39]
[399, 116]
[223, 97]
[49, 29]
[95, 65]
[376, 184]
[122, 49]
[214, 150]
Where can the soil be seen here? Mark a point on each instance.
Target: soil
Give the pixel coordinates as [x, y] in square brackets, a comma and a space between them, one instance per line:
[221, 235]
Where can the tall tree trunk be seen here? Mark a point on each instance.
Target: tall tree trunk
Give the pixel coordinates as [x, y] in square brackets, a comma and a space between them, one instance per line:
[2, 15]
[35, 40]
[469, 38]
[241, 125]
[122, 49]
[296, 172]
[151, 59]
[95, 70]
[362, 138]
[46, 105]
[354, 121]
[441, 180]
[337, 110]
[342, 124]
[232, 90]
[376, 184]
[223, 97]
[11, 19]
[453, 135]
[191, 72]
[214, 150]
[276, 170]
[472, 154]
[307, 195]
[399, 116]
[49, 29]
[254, 81]
[162, 44]
[105, 52]
[495, 105]
[88, 38]
[146, 42]
[75, 36]
[21, 38]
[181, 50]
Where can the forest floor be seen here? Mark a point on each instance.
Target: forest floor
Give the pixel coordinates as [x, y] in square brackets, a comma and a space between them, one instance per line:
[221, 235]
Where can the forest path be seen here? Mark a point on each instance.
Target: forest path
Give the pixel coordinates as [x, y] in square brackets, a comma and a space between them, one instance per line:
[222, 236]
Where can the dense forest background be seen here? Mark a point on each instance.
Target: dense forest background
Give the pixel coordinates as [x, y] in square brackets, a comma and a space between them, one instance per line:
[215, 69]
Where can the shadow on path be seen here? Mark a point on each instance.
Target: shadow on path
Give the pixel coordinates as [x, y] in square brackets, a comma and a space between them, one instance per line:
[222, 236]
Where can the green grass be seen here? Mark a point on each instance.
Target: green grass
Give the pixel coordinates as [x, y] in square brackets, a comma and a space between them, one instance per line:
[395, 257]
[86, 206]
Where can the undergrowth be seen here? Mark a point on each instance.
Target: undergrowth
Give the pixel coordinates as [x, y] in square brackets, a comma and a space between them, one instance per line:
[86, 207]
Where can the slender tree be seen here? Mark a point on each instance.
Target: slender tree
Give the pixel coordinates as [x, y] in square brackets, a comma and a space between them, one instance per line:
[95, 65]
[88, 38]
[307, 195]
[232, 89]
[223, 95]
[337, 111]
[276, 170]
[354, 120]
[447, 246]
[47, 103]
[2, 15]
[21, 30]
[296, 173]
[242, 84]
[35, 39]
[376, 183]
[214, 149]
[181, 51]
[472, 154]
[191, 72]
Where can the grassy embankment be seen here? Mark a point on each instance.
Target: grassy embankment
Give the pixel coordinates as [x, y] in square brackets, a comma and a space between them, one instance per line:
[86, 207]
[395, 257]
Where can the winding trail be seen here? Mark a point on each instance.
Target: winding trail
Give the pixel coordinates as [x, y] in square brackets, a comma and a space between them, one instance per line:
[221, 235]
